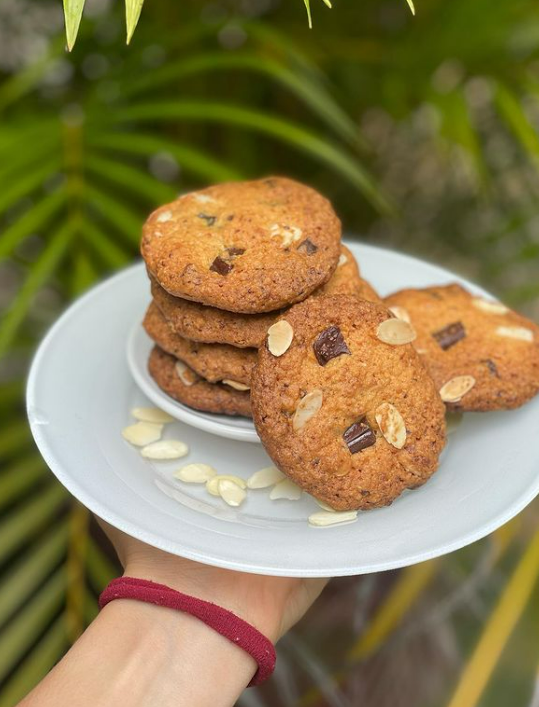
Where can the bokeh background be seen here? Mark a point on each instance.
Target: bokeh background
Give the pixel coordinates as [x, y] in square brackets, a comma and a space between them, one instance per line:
[424, 133]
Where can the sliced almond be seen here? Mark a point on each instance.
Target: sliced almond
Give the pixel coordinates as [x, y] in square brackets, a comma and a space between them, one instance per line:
[456, 388]
[489, 306]
[395, 332]
[288, 234]
[195, 473]
[280, 337]
[401, 313]
[212, 485]
[185, 374]
[142, 433]
[285, 489]
[307, 407]
[152, 415]
[231, 493]
[321, 519]
[342, 259]
[165, 449]
[391, 425]
[236, 385]
[203, 198]
[264, 478]
[324, 506]
[164, 216]
[515, 332]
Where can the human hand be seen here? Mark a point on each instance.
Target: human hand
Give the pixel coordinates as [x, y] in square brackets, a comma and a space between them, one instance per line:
[271, 604]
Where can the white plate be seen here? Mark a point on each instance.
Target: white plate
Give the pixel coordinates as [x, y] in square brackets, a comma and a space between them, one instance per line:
[80, 393]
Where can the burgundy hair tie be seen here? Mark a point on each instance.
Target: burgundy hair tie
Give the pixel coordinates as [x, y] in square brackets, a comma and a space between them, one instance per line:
[226, 623]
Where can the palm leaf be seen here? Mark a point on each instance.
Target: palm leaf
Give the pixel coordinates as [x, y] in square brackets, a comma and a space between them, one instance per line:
[297, 136]
[498, 628]
[36, 665]
[38, 275]
[133, 9]
[20, 477]
[73, 14]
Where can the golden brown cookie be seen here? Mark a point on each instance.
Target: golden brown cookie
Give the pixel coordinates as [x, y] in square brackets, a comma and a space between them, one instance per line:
[214, 362]
[481, 355]
[351, 419]
[246, 247]
[181, 383]
[207, 324]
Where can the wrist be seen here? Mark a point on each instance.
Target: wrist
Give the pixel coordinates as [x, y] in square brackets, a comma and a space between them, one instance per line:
[231, 590]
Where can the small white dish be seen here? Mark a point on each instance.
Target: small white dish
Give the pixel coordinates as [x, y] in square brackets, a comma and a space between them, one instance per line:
[80, 394]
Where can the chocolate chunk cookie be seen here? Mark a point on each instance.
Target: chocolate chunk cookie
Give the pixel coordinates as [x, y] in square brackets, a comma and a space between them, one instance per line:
[351, 419]
[177, 380]
[209, 324]
[214, 362]
[245, 247]
[481, 355]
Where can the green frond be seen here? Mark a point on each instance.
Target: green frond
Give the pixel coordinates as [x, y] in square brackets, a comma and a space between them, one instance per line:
[118, 215]
[14, 437]
[36, 665]
[285, 131]
[308, 8]
[38, 274]
[133, 9]
[126, 178]
[17, 637]
[72, 14]
[511, 111]
[104, 248]
[411, 6]
[26, 519]
[20, 477]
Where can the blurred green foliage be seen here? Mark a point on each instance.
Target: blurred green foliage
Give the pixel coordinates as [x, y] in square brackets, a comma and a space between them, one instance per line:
[424, 133]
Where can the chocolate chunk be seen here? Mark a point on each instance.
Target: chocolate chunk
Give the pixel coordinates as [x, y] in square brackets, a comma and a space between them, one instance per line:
[210, 220]
[492, 367]
[329, 344]
[230, 218]
[221, 266]
[450, 335]
[308, 246]
[235, 251]
[359, 436]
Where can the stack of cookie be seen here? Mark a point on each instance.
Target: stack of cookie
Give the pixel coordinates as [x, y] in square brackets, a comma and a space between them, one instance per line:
[224, 263]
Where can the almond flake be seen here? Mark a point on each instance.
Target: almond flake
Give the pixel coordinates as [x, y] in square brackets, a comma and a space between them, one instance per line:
[307, 407]
[165, 449]
[236, 385]
[152, 415]
[203, 198]
[231, 493]
[515, 332]
[195, 473]
[395, 332]
[489, 306]
[164, 216]
[185, 374]
[285, 489]
[324, 506]
[391, 425]
[456, 388]
[263, 479]
[142, 433]
[289, 234]
[280, 337]
[321, 519]
[212, 485]
[400, 313]
[342, 259]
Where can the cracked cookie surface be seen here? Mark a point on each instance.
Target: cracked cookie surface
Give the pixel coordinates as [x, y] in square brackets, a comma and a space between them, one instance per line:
[482, 355]
[351, 419]
[246, 247]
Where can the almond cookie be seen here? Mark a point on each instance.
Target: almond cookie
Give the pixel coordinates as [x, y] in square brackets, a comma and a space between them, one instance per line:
[176, 379]
[245, 247]
[214, 362]
[210, 325]
[481, 355]
[349, 418]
